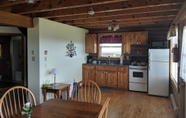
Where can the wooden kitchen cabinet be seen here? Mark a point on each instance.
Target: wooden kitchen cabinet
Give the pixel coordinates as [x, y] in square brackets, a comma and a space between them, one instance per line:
[140, 38]
[100, 78]
[106, 76]
[123, 81]
[89, 72]
[111, 79]
[91, 43]
[127, 41]
[130, 38]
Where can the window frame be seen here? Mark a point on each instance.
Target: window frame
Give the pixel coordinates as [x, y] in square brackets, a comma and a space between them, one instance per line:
[107, 34]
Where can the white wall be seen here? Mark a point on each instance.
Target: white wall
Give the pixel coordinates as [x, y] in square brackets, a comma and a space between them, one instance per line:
[53, 37]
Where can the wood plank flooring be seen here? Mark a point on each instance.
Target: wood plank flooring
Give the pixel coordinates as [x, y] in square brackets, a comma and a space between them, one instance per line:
[127, 104]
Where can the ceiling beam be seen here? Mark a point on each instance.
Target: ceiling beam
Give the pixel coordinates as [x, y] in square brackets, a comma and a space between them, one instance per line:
[122, 12]
[15, 20]
[133, 4]
[122, 17]
[131, 25]
[6, 3]
[48, 5]
[129, 22]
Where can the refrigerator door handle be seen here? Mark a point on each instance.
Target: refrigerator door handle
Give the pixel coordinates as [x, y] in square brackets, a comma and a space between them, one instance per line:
[149, 66]
[149, 56]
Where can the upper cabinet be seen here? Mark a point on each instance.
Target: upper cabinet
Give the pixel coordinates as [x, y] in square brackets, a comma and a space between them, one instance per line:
[91, 43]
[130, 38]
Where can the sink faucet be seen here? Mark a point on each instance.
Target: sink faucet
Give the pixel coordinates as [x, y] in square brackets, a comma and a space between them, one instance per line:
[108, 59]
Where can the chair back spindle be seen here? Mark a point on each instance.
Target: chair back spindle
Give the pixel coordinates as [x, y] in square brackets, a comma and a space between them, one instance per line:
[86, 91]
[14, 99]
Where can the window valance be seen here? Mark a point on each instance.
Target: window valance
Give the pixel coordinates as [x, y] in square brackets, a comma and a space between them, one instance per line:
[111, 39]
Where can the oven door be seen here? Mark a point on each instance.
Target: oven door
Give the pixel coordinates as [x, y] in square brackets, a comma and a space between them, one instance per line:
[138, 75]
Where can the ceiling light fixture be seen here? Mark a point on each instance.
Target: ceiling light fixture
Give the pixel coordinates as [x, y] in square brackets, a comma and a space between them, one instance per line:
[91, 11]
[113, 25]
[30, 1]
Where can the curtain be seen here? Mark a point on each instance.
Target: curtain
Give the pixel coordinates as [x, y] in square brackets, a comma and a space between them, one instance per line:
[111, 39]
[183, 56]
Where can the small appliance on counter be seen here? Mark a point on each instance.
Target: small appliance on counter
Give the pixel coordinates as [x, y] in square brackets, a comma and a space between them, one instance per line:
[89, 59]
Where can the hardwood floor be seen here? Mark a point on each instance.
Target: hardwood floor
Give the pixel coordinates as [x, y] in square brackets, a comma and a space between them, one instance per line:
[127, 104]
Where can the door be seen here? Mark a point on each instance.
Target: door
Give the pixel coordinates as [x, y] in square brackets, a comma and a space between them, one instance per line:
[158, 80]
[100, 78]
[111, 79]
[159, 55]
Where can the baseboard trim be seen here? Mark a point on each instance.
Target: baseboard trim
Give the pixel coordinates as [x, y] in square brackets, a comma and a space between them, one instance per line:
[175, 107]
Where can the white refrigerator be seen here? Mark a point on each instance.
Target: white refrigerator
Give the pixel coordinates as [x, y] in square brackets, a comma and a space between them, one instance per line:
[158, 72]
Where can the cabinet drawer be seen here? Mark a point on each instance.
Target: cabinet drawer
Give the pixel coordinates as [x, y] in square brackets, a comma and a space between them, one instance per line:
[123, 69]
[100, 67]
[88, 67]
[111, 68]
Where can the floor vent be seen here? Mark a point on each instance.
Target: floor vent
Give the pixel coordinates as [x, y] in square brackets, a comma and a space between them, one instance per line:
[175, 107]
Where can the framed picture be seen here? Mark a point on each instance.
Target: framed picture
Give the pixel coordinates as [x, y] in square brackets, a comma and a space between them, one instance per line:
[0, 51]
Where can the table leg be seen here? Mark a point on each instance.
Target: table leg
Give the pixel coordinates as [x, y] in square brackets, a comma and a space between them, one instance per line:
[58, 94]
[68, 88]
[44, 94]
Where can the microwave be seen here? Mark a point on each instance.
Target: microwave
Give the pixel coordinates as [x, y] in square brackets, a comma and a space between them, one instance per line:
[161, 44]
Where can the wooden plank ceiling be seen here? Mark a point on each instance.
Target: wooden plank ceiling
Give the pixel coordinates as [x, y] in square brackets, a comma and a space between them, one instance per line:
[128, 13]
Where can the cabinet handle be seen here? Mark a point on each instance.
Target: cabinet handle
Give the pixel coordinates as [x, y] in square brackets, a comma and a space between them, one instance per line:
[118, 73]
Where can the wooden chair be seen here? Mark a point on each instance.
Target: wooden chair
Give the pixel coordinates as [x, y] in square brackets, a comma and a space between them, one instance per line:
[86, 91]
[14, 99]
[104, 111]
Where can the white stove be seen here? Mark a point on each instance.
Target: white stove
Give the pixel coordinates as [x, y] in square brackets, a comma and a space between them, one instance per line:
[137, 67]
[138, 78]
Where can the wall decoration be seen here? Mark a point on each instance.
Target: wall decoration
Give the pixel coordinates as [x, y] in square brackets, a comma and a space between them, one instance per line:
[71, 49]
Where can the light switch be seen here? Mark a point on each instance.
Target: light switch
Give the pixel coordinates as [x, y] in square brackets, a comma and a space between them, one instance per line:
[32, 52]
[45, 52]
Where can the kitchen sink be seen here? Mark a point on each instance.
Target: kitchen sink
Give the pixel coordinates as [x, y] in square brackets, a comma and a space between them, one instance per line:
[107, 63]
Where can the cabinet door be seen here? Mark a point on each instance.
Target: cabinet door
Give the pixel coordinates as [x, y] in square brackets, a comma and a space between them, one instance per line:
[92, 75]
[91, 43]
[88, 72]
[123, 80]
[143, 37]
[111, 79]
[127, 41]
[100, 78]
[85, 74]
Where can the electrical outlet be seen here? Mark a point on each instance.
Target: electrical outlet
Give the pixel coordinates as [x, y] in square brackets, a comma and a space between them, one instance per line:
[33, 58]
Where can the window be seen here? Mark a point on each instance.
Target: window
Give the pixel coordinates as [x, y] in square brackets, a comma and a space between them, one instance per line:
[110, 46]
[183, 56]
[174, 65]
[112, 50]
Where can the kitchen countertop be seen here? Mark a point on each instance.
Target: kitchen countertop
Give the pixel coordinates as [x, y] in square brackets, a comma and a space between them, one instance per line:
[103, 64]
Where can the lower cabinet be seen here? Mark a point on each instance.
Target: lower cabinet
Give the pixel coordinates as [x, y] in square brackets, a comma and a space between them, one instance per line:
[107, 76]
[123, 78]
[89, 72]
[112, 76]
[100, 78]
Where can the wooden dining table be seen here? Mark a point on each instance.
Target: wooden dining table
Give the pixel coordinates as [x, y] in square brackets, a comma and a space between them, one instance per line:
[60, 108]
